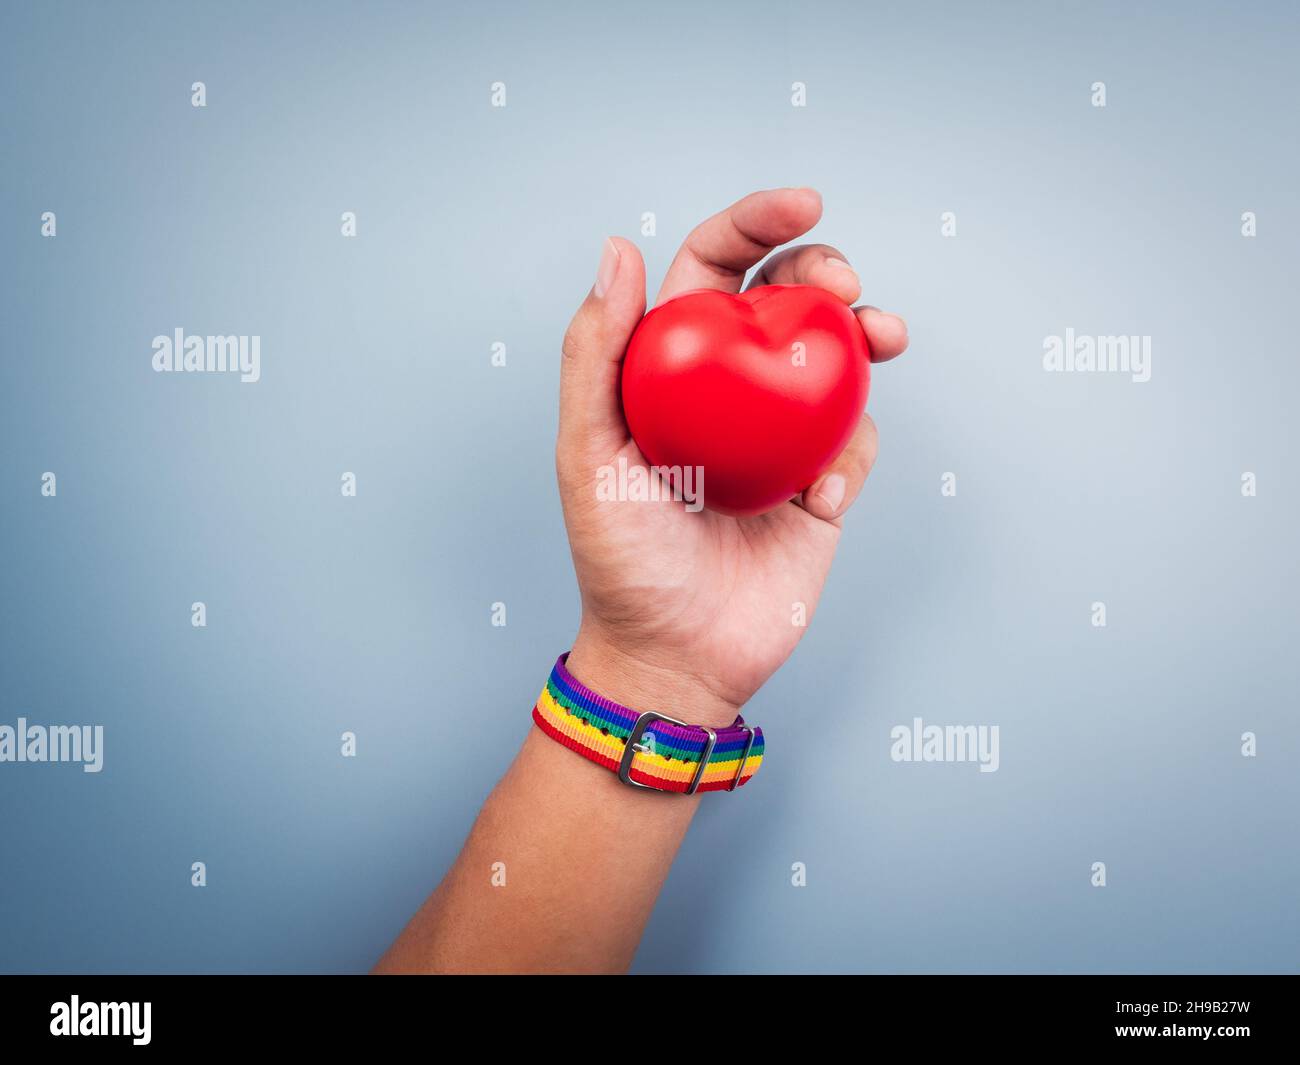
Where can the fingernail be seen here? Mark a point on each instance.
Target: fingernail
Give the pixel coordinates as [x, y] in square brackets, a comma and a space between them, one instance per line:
[608, 269]
[839, 264]
[831, 491]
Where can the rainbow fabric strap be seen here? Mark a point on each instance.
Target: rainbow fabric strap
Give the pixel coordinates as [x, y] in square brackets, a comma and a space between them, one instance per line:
[666, 753]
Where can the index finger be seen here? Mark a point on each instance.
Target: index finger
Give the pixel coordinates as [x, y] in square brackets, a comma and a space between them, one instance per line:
[720, 249]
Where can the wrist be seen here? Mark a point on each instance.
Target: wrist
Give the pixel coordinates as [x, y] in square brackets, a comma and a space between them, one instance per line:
[643, 682]
[681, 736]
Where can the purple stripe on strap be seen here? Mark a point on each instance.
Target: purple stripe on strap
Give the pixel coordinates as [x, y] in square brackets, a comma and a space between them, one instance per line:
[729, 738]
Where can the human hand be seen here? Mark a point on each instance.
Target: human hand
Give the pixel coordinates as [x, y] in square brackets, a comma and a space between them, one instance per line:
[688, 613]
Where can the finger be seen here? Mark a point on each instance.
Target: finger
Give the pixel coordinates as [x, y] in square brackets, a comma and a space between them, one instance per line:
[721, 249]
[886, 333]
[811, 264]
[836, 489]
[591, 415]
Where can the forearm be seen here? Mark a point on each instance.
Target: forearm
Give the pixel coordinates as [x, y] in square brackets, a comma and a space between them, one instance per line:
[582, 857]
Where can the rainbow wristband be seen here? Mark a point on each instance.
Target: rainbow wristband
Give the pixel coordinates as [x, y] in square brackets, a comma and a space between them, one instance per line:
[646, 750]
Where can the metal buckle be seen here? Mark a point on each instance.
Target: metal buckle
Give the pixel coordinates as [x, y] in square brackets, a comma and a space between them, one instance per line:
[744, 757]
[635, 746]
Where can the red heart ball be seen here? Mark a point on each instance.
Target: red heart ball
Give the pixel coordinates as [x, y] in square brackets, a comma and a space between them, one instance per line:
[760, 390]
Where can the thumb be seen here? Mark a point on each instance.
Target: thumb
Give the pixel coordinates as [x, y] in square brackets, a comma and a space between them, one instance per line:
[591, 411]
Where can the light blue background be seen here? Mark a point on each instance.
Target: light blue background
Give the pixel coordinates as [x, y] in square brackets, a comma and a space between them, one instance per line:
[478, 225]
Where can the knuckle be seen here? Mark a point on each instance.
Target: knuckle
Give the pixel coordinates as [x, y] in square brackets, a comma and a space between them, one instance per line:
[870, 446]
[574, 341]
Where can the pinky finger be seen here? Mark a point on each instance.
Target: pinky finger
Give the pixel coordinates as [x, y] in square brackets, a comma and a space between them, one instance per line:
[832, 493]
